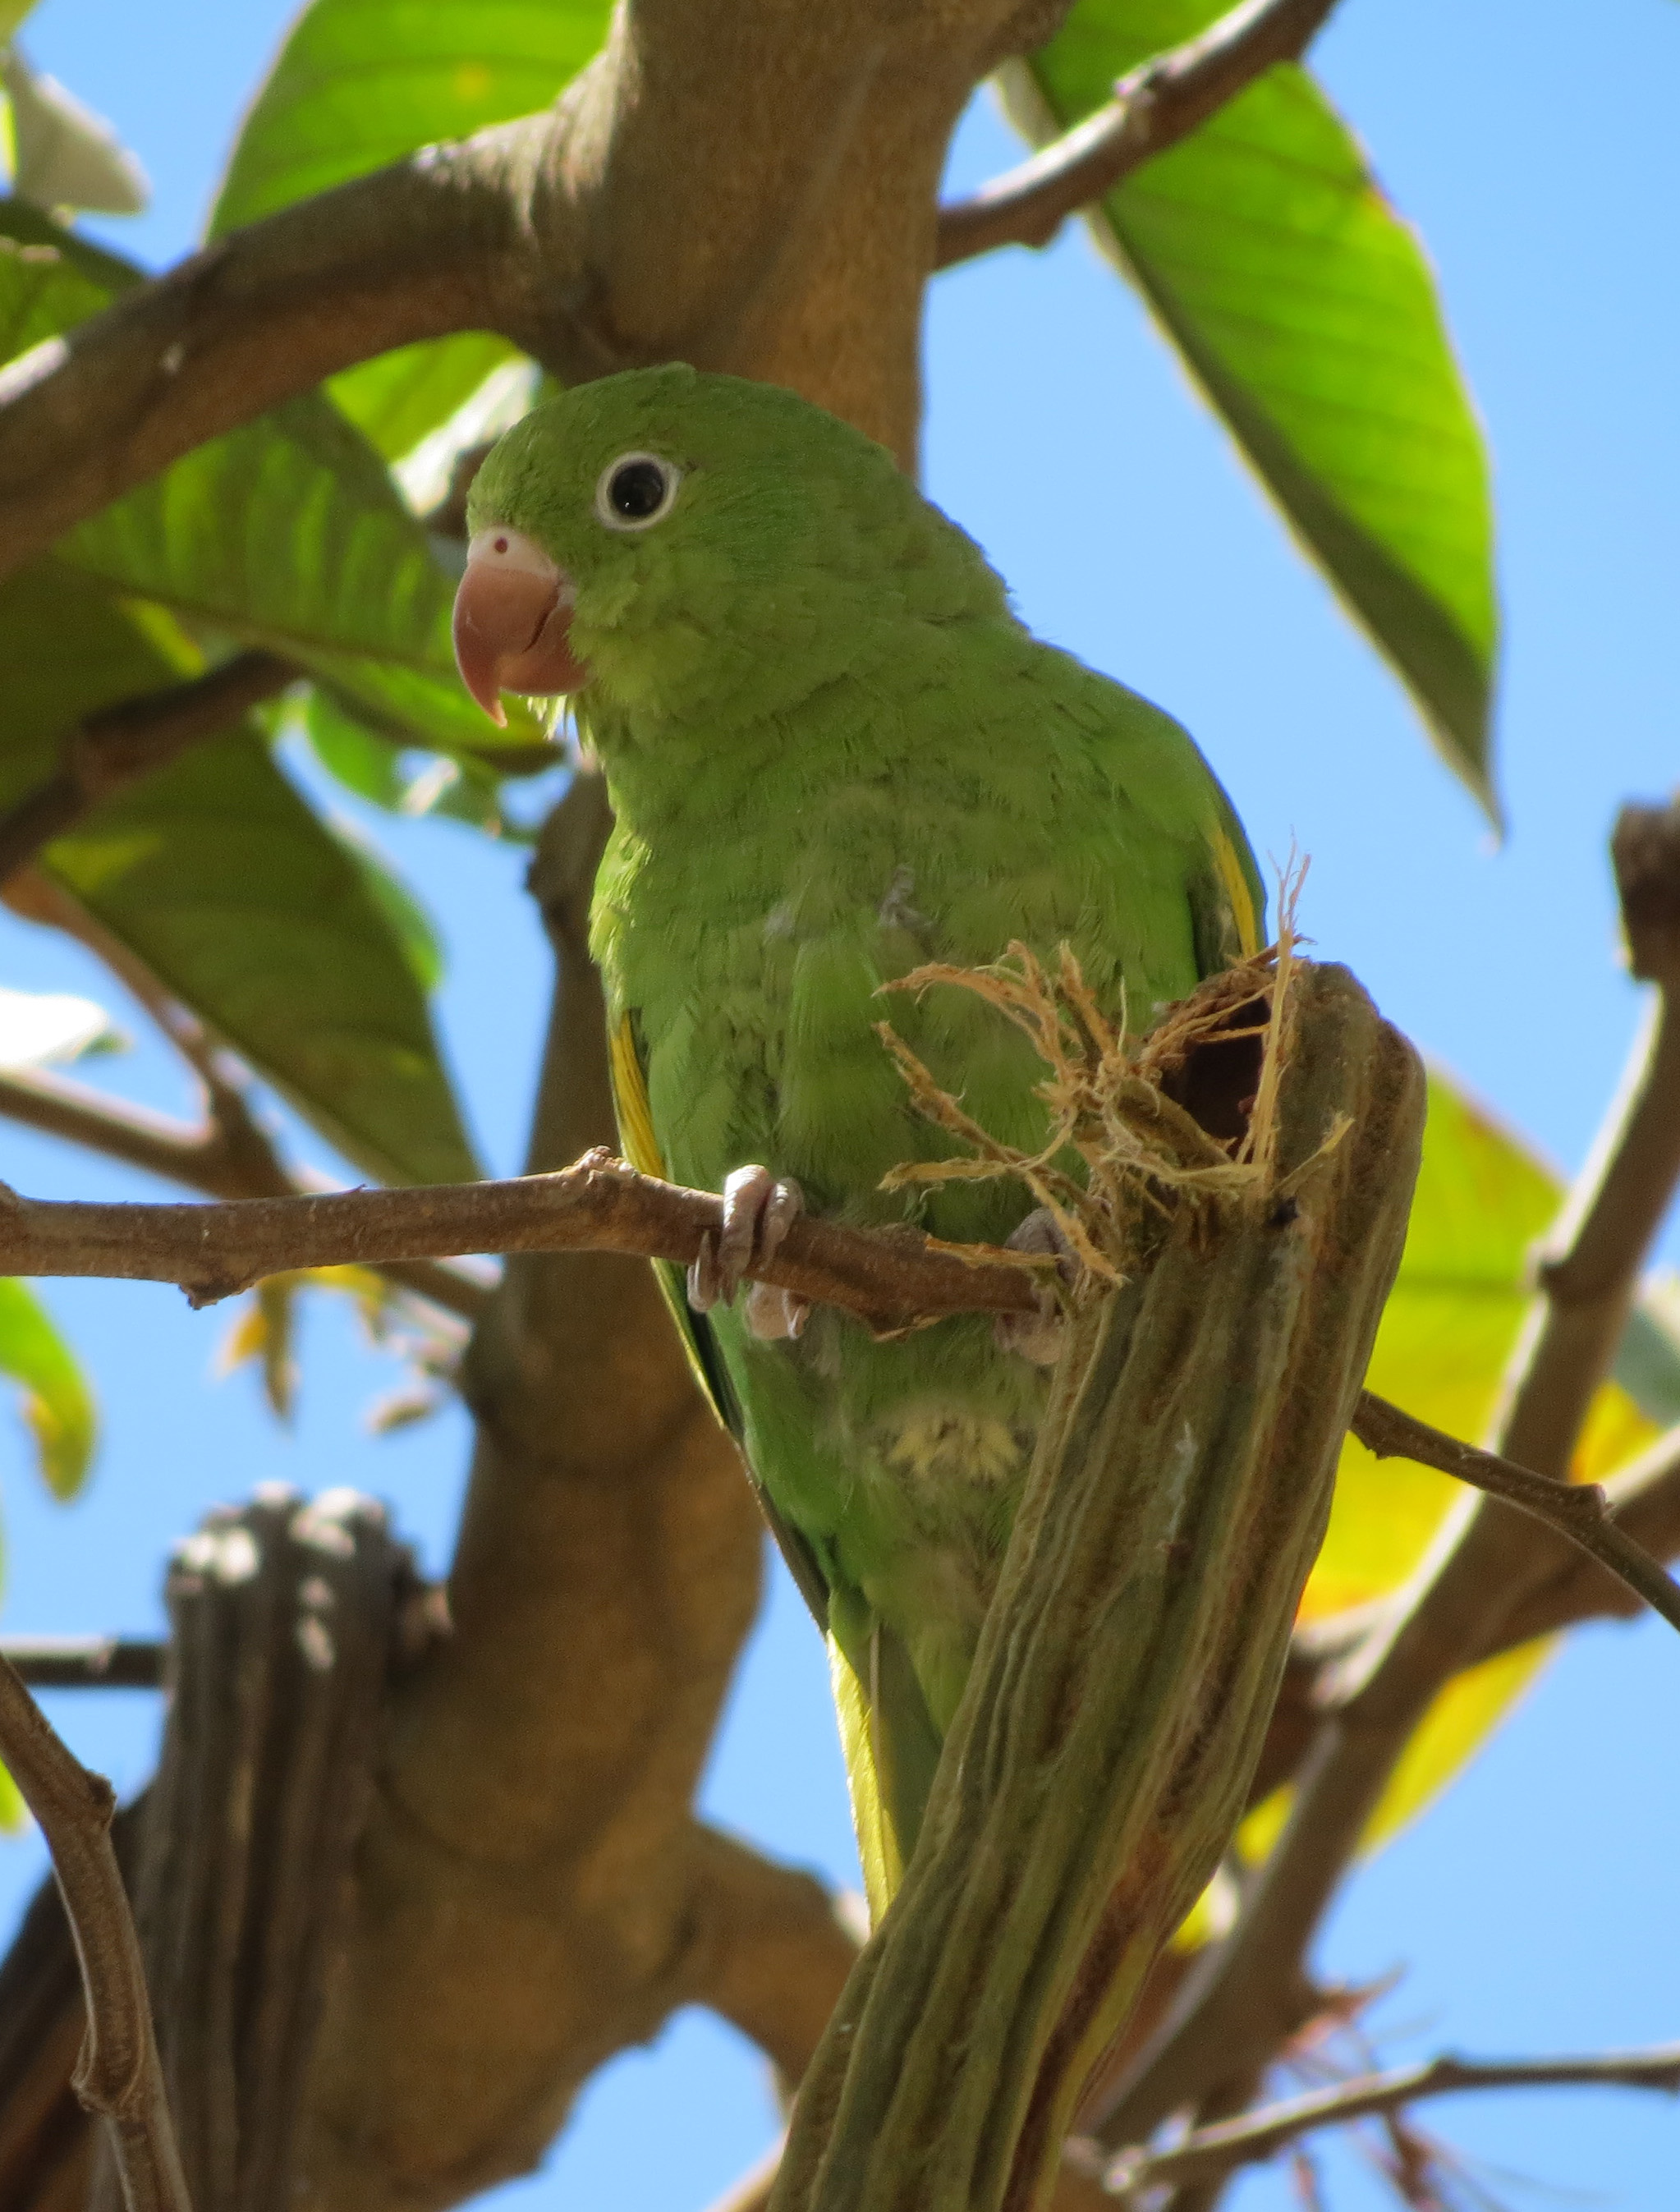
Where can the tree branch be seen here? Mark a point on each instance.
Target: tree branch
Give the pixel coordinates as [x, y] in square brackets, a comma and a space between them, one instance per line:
[892, 1279]
[1209, 2154]
[130, 739]
[664, 208]
[771, 1951]
[1153, 109]
[1645, 1498]
[230, 1158]
[117, 2075]
[1588, 1267]
[1582, 1511]
[86, 1662]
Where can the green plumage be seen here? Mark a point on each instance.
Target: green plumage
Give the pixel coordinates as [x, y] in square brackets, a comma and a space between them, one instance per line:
[836, 755]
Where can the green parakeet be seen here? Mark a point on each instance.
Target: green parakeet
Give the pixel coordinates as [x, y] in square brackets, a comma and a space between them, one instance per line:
[834, 755]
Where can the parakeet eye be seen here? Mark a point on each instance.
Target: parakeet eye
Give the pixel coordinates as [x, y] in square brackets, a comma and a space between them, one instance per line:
[636, 491]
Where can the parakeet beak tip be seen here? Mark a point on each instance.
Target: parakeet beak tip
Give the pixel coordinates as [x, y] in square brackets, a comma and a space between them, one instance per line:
[513, 613]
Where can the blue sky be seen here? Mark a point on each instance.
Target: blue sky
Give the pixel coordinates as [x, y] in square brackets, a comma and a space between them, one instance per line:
[1531, 1910]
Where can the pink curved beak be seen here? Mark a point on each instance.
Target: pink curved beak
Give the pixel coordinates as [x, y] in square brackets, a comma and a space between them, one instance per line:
[512, 624]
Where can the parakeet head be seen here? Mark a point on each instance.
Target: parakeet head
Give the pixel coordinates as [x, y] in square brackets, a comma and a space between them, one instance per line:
[676, 542]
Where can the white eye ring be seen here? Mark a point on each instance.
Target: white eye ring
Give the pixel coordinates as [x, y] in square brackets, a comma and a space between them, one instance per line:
[636, 490]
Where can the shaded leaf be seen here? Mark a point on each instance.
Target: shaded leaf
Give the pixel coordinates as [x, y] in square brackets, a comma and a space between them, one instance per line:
[40, 294]
[410, 782]
[215, 872]
[1305, 308]
[349, 751]
[58, 1407]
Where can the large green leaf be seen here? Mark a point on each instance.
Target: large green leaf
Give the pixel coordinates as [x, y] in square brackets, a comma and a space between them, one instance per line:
[58, 1405]
[274, 925]
[1304, 308]
[362, 82]
[217, 873]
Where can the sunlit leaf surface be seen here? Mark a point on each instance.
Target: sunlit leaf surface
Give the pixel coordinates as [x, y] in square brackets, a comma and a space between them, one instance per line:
[1305, 310]
[57, 1405]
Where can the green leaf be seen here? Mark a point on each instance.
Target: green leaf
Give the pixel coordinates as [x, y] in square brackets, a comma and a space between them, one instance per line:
[362, 82]
[218, 875]
[58, 1407]
[214, 871]
[40, 294]
[348, 749]
[1305, 309]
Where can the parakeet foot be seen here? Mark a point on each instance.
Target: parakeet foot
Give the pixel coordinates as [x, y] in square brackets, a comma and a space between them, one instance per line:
[758, 1210]
[1037, 1336]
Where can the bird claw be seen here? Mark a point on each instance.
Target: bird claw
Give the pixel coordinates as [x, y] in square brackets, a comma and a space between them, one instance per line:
[758, 1209]
[1038, 1336]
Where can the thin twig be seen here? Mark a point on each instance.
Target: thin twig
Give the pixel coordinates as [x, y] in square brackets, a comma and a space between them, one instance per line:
[86, 1662]
[1645, 1500]
[892, 1277]
[888, 1277]
[117, 2075]
[1211, 2152]
[130, 739]
[1151, 109]
[1582, 1511]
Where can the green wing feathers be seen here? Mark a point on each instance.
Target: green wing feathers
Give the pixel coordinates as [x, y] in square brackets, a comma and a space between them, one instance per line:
[641, 1148]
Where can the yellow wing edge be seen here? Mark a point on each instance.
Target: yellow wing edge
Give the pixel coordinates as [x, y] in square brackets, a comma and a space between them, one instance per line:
[1234, 881]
